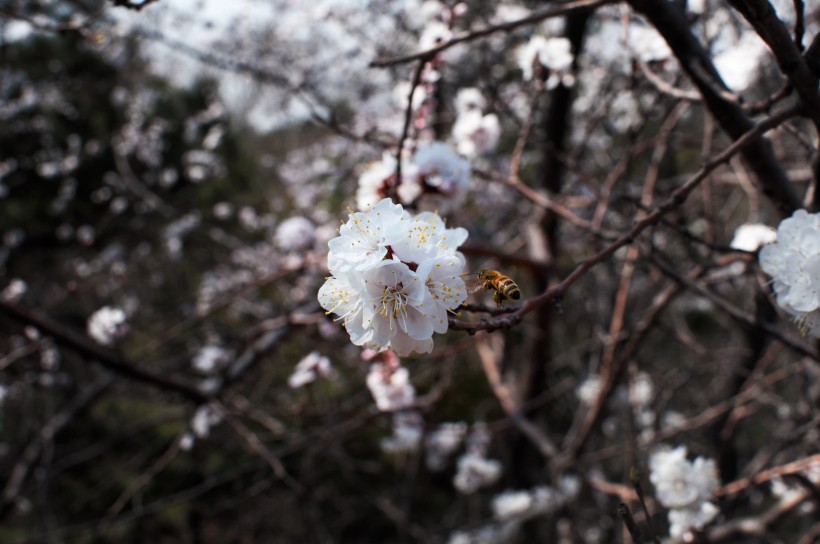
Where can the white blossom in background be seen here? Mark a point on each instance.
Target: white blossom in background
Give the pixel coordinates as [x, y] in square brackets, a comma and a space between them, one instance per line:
[793, 262]
[475, 133]
[641, 390]
[186, 442]
[739, 65]
[671, 420]
[107, 325]
[434, 34]
[474, 472]
[441, 181]
[474, 469]
[14, 291]
[295, 234]
[683, 521]
[685, 487]
[753, 236]
[391, 388]
[204, 418]
[648, 44]
[499, 533]
[538, 501]
[309, 369]
[589, 389]
[210, 358]
[469, 99]
[394, 278]
[408, 428]
[441, 443]
[401, 92]
[554, 54]
[379, 177]
[511, 504]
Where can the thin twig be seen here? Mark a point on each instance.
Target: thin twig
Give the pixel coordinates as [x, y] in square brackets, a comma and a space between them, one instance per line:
[672, 202]
[565, 9]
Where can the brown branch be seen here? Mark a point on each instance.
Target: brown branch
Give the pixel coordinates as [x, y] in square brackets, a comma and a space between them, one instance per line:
[677, 197]
[138, 5]
[736, 313]
[490, 363]
[671, 22]
[793, 467]
[562, 10]
[22, 469]
[106, 357]
[763, 18]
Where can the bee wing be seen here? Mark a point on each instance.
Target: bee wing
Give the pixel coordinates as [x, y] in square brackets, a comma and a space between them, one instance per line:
[473, 282]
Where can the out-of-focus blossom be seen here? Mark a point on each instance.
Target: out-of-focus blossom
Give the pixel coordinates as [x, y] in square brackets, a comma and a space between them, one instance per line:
[434, 34]
[469, 99]
[648, 44]
[107, 325]
[793, 262]
[474, 472]
[401, 92]
[685, 487]
[391, 388]
[753, 236]
[14, 291]
[475, 133]
[495, 533]
[442, 442]
[739, 65]
[511, 504]
[541, 500]
[210, 358]
[309, 369]
[223, 210]
[641, 390]
[295, 234]
[441, 180]
[408, 428]
[379, 177]
[683, 521]
[589, 389]
[554, 54]
[204, 418]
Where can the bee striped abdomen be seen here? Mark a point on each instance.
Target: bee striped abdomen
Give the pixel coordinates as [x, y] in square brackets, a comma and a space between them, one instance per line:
[502, 286]
[509, 288]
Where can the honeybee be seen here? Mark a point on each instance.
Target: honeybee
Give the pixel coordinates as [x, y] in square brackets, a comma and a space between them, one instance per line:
[503, 287]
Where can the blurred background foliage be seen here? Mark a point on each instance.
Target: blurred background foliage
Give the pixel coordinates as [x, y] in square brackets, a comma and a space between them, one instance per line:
[122, 188]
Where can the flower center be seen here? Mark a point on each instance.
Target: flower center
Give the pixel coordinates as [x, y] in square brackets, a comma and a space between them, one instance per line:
[394, 305]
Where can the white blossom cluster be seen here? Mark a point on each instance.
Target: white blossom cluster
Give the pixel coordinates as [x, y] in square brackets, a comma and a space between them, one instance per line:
[541, 500]
[295, 234]
[474, 132]
[210, 358]
[107, 325]
[309, 369]
[394, 278]
[441, 443]
[753, 236]
[475, 470]
[554, 54]
[685, 487]
[512, 508]
[435, 178]
[390, 387]
[793, 262]
[408, 429]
